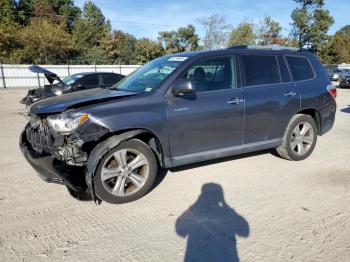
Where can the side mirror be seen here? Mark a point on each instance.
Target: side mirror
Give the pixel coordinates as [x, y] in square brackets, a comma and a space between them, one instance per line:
[182, 87]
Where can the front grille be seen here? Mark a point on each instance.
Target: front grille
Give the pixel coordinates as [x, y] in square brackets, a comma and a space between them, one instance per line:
[37, 140]
[38, 136]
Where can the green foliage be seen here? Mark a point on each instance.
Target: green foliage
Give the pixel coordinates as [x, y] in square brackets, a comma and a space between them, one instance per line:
[184, 39]
[340, 46]
[123, 47]
[54, 31]
[25, 11]
[269, 32]
[311, 23]
[91, 27]
[147, 50]
[44, 42]
[243, 34]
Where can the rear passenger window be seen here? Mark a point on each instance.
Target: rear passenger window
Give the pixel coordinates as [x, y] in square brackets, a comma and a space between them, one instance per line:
[285, 77]
[300, 68]
[261, 70]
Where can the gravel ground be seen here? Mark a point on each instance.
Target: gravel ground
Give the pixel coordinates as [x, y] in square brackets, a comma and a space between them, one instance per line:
[255, 207]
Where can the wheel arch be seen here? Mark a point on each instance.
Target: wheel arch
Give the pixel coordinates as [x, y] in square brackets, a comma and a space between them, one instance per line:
[315, 114]
[113, 139]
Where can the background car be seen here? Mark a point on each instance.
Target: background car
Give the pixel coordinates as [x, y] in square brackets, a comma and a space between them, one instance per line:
[72, 83]
[344, 79]
[338, 74]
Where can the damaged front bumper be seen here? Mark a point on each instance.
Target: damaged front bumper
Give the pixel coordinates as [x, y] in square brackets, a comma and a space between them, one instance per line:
[52, 170]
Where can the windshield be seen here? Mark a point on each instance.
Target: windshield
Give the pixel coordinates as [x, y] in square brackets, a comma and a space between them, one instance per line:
[150, 76]
[71, 79]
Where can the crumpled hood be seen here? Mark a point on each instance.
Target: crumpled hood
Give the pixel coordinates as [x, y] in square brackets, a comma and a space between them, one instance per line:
[61, 103]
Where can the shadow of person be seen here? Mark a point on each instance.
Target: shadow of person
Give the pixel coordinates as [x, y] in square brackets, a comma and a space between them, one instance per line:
[211, 226]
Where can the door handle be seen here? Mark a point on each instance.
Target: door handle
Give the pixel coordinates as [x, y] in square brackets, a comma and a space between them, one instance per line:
[290, 94]
[235, 101]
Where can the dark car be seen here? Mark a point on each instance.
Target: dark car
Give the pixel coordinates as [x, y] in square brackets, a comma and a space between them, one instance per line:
[339, 75]
[72, 83]
[344, 79]
[180, 109]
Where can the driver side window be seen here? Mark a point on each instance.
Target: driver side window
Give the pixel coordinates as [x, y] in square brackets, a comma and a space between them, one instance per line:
[212, 74]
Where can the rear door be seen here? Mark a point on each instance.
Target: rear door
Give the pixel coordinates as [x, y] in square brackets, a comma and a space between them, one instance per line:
[271, 99]
[304, 79]
[210, 123]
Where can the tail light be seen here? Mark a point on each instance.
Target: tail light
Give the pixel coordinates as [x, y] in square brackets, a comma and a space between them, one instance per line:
[332, 89]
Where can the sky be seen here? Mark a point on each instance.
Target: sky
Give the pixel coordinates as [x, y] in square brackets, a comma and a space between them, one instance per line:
[144, 18]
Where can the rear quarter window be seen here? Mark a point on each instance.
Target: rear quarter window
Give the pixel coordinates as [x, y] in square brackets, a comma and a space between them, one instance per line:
[111, 79]
[300, 68]
[261, 69]
[285, 77]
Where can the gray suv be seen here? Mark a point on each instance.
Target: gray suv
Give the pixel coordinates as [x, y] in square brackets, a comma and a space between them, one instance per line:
[110, 144]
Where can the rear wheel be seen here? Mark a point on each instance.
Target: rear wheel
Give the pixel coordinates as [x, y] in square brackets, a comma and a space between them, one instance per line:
[126, 173]
[299, 139]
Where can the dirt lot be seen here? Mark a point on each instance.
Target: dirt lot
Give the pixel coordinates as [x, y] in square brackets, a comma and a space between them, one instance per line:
[270, 210]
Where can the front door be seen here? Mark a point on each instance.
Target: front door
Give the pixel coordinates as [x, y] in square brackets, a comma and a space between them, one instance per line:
[208, 124]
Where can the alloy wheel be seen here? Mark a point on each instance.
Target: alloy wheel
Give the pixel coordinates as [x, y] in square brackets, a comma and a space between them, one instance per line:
[302, 138]
[125, 172]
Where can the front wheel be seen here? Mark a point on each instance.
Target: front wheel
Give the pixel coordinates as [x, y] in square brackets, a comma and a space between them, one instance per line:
[126, 173]
[299, 139]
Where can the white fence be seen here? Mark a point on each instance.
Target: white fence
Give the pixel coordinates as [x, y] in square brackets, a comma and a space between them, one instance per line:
[14, 76]
[344, 66]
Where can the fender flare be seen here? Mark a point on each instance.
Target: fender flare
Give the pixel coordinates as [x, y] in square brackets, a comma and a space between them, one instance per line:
[99, 152]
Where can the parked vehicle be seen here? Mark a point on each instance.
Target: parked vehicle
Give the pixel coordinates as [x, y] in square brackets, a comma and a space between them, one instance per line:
[338, 74]
[72, 83]
[180, 109]
[344, 79]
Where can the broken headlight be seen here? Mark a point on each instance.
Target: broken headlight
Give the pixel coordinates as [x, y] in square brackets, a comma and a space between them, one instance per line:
[66, 124]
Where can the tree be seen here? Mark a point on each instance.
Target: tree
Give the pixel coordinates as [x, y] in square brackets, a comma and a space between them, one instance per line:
[25, 11]
[217, 32]
[188, 39]
[8, 30]
[45, 42]
[65, 8]
[147, 50]
[91, 27]
[169, 41]
[184, 39]
[311, 23]
[122, 47]
[7, 15]
[340, 46]
[269, 32]
[243, 34]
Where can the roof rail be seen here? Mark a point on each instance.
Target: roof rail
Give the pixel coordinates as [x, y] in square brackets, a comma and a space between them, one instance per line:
[265, 47]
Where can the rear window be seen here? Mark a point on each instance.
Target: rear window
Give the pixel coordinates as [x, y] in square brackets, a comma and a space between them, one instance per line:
[300, 68]
[261, 70]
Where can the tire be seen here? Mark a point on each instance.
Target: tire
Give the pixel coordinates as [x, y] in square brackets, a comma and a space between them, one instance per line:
[297, 146]
[126, 173]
